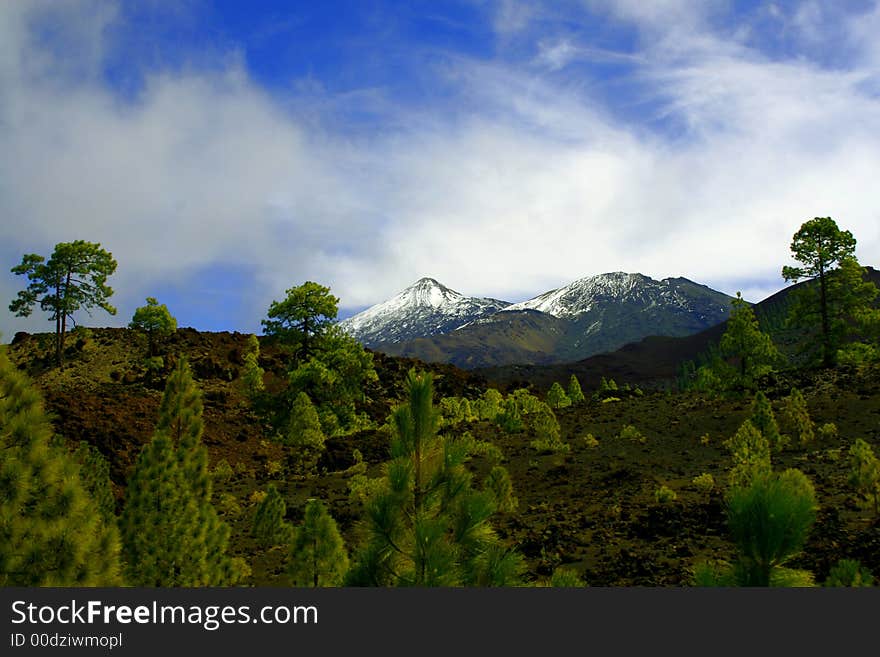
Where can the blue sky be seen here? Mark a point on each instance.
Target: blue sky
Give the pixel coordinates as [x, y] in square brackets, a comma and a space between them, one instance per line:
[225, 151]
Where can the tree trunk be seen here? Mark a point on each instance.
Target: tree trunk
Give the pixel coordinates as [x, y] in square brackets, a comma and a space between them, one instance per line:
[827, 356]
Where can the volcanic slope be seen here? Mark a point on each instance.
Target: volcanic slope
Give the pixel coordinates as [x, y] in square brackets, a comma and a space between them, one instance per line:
[655, 361]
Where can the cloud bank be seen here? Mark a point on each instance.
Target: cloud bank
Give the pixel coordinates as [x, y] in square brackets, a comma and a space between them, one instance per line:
[695, 146]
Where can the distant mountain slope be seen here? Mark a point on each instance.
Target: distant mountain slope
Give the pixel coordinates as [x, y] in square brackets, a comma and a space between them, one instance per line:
[589, 316]
[424, 308]
[654, 359]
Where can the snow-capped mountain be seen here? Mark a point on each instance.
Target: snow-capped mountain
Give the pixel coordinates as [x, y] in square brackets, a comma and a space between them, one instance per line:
[423, 309]
[590, 316]
[586, 294]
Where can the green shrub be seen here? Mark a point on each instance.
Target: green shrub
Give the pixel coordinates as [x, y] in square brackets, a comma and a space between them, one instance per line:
[798, 418]
[222, 471]
[751, 455]
[269, 526]
[547, 431]
[563, 577]
[317, 554]
[865, 472]
[848, 572]
[498, 483]
[362, 488]
[590, 441]
[704, 482]
[629, 432]
[769, 521]
[665, 495]
[765, 422]
[827, 431]
[575, 394]
[556, 397]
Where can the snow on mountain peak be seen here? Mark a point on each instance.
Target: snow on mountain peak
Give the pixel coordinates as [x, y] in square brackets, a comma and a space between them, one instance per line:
[426, 307]
[580, 296]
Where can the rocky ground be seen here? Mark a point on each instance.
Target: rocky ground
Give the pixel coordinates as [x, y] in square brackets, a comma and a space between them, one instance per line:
[592, 509]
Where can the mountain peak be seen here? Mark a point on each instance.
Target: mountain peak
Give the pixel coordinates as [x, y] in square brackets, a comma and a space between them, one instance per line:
[617, 287]
[426, 307]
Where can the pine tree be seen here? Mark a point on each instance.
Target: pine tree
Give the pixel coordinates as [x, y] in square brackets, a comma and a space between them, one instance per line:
[547, 431]
[769, 520]
[317, 553]
[499, 484]
[426, 525]
[765, 422]
[744, 341]
[172, 534]
[751, 455]
[838, 294]
[798, 417]
[51, 531]
[95, 475]
[269, 526]
[155, 319]
[253, 373]
[73, 278]
[865, 472]
[556, 396]
[575, 394]
[304, 439]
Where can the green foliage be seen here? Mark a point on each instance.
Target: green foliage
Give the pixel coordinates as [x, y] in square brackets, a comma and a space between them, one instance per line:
[827, 431]
[864, 473]
[851, 573]
[52, 532]
[765, 422]
[556, 397]
[498, 483]
[713, 574]
[575, 394]
[664, 495]
[302, 318]
[547, 432]
[704, 482]
[155, 319]
[94, 472]
[525, 401]
[362, 488]
[334, 379]
[590, 441]
[751, 455]
[567, 578]
[317, 554]
[74, 278]
[253, 373]
[629, 432]
[171, 532]
[769, 521]
[451, 411]
[751, 348]
[154, 365]
[489, 405]
[222, 471]
[304, 439]
[510, 418]
[425, 525]
[269, 527]
[797, 417]
[838, 297]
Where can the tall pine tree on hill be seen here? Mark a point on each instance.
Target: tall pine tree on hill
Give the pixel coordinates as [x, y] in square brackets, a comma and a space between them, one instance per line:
[51, 531]
[172, 534]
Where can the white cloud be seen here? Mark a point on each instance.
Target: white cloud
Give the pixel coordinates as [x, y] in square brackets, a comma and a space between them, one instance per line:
[528, 182]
